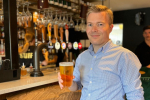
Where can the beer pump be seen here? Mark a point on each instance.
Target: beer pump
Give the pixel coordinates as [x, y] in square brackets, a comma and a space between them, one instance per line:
[67, 39]
[63, 44]
[61, 35]
[38, 48]
[57, 44]
[50, 46]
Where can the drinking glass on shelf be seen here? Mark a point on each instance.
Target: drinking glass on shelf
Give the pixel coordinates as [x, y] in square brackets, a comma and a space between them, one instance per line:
[47, 18]
[39, 20]
[82, 26]
[29, 15]
[44, 21]
[19, 21]
[64, 20]
[51, 18]
[56, 19]
[60, 23]
[67, 22]
[77, 25]
[71, 21]
[24, 15]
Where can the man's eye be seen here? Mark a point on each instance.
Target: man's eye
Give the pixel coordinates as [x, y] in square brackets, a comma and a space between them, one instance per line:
[89, 24]
[100, 24]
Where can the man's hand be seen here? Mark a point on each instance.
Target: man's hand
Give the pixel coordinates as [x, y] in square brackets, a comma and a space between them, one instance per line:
[61, 81]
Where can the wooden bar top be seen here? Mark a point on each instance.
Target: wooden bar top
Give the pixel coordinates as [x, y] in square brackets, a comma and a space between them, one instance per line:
[25, 82]
[46, 92]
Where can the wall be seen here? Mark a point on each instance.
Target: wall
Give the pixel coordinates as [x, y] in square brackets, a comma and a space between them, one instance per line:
[132, 33]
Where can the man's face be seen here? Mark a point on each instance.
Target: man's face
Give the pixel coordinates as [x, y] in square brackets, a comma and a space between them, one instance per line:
[98, 28]
[146, 35]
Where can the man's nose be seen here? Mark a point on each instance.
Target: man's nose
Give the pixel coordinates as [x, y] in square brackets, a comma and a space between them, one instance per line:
[94, 28]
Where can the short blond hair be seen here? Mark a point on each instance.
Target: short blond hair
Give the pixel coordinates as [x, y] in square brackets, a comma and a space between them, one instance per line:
[101, 8]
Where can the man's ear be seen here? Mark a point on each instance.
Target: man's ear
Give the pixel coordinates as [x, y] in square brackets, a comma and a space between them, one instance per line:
[111, 27]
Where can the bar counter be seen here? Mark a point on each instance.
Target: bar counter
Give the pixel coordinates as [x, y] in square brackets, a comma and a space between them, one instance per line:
[25, 82]
[37, 88]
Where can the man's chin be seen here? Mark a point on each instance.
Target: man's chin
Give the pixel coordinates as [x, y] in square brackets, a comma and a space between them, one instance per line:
[95, 43]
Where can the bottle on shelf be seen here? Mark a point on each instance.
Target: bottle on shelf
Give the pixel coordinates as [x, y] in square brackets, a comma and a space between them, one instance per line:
[0, 34]
[2, 28]
[23, 34]
[60, 3]
[51, 1]
[2, 48]
[19, 34]
[3, 34]
[56, 2]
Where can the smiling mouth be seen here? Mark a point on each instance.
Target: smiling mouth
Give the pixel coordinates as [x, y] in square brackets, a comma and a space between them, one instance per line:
[95, 35]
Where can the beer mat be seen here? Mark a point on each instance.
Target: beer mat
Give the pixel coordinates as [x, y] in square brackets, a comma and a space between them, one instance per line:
[142, 72]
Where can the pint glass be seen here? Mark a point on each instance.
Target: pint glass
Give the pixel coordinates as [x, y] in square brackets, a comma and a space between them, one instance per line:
[66, 72]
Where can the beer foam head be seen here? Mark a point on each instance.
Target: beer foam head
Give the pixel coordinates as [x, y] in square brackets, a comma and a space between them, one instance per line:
[66, 64]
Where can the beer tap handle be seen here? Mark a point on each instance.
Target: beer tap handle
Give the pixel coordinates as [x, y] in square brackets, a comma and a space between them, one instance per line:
[43, 32]
[61, 34]
[57, 44]
[49, 27]
[67, 33]
[36, 35]
[67, 40]
[56, 31]
[43, 41]
[67, 52]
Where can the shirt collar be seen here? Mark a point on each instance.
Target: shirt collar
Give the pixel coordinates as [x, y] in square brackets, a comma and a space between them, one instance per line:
[102, 49]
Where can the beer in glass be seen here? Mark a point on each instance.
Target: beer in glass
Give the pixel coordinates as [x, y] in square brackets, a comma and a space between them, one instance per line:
[66, 72]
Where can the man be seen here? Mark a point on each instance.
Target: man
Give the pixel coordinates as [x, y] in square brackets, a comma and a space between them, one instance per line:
[105, 71]
[143, 49]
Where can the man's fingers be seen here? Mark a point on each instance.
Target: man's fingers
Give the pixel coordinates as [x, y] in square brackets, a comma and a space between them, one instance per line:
[61, 86]
[60, 81]
[59, 74]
